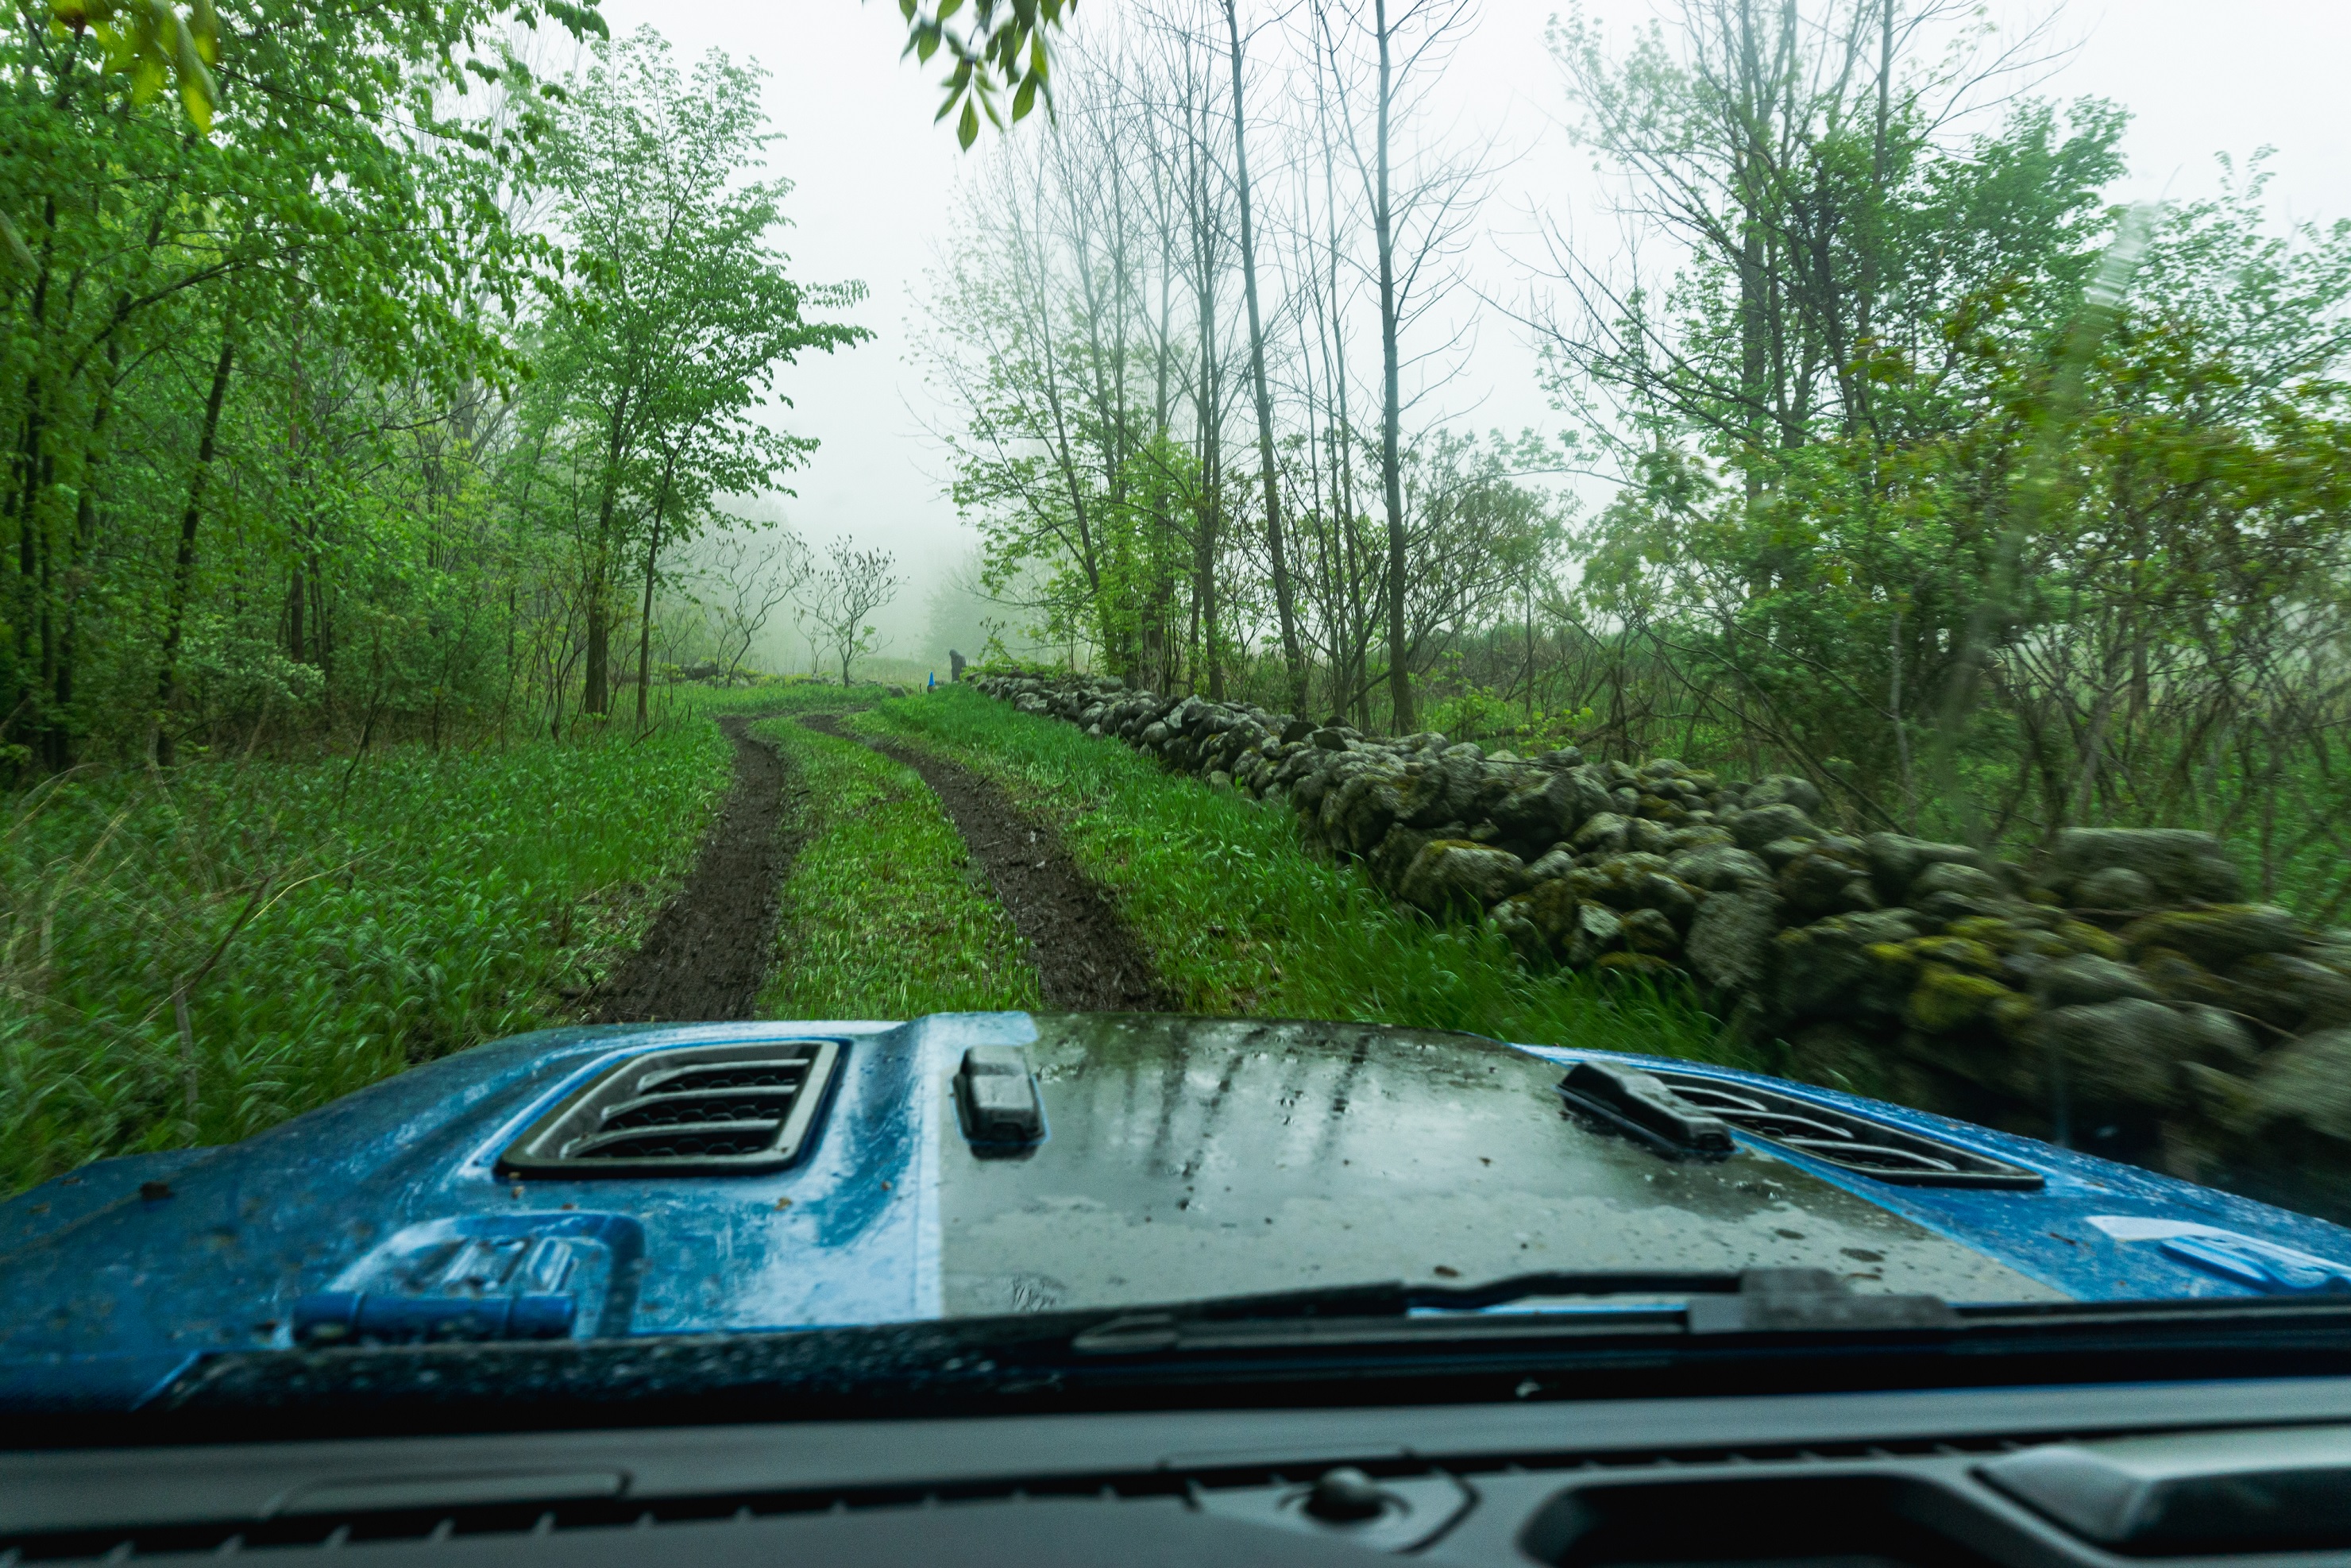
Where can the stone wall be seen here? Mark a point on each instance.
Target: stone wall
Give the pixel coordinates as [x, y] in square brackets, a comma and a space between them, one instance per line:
[2118, 994]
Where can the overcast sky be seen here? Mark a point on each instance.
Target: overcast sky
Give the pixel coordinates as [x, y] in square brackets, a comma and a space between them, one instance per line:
[876, 180]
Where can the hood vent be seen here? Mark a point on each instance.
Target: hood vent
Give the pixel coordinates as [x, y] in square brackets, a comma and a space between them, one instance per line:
[1839, 1138]
[697, 1110]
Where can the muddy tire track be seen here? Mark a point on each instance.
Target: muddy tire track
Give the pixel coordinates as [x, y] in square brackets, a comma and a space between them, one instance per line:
[709, 948]
[1087, 960]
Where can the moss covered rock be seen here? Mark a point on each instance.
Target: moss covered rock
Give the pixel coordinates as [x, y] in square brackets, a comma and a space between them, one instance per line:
[1945, 999]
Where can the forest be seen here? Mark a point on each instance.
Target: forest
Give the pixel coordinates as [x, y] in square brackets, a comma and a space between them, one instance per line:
[1923, 471]
[399, 407]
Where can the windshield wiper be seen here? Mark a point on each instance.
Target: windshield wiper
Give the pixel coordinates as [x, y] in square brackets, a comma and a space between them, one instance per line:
[1718, 1301]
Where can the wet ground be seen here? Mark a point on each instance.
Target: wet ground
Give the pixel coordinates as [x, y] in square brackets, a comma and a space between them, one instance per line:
[709, 948]
[1087, 960]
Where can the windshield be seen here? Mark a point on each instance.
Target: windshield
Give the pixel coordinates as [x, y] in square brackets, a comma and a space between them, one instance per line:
[674, 675]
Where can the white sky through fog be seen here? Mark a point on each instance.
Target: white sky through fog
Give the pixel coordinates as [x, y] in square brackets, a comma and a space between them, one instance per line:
[876, 180]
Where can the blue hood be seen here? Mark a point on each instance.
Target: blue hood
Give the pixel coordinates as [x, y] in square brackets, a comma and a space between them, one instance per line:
[1185, 1158]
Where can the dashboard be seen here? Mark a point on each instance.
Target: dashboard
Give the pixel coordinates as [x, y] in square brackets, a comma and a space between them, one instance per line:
[2239, 1471]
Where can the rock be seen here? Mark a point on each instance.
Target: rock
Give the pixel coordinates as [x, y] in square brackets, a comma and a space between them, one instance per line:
[1596, 931]
[1557, 861]
[1824, 881]
[1720, 868]
[1730, 943]
[2218, 937]
[1896, 860]
[1756, 828]
[1660, 809]
[1454, 876]
[2182, 979]
[1648, 966]
[2306, 1083]
[2218, 1037]
[1605, 833]
[2115, 888]
[1220, 780]
[1650, 931]
[2127, 1050]
[1779, 851]
[1954, 952]
[1784, 788]
[1827, 970]
[1541, 922]
[2181, 864]
[1953, 877]
[1945, 999]
[1541, 807]
[1387, 862]
[2293, 993]
[2086, 980]
[2081, 937]
[1618, 881]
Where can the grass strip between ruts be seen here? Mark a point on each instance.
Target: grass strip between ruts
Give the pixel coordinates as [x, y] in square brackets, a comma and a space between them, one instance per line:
[884, 915]
[1241, 919]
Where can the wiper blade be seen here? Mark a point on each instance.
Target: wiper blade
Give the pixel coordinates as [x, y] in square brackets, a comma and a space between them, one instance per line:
[1718, 1301]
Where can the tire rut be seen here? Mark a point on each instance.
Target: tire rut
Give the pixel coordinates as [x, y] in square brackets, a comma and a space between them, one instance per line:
[1087, 960]
[709, 949]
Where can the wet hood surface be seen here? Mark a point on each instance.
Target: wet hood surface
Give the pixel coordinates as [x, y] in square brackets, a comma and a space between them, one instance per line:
[1183, 1158]
[1190, 1158]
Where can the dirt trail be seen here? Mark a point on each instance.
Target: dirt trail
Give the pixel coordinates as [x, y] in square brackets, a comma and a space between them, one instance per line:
[709, 950]
[1087, 960]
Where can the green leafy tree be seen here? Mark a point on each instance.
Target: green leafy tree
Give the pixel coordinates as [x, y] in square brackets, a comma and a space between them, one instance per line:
[665, 344]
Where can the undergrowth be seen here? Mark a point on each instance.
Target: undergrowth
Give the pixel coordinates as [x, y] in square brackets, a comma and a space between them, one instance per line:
[191, 955]
[884, 916]
[1242, 919]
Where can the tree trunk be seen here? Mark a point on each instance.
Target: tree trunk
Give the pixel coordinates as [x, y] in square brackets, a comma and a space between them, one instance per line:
[184, 568]
[595, 695]
[1285, 604]
[1391, 408]
[646, 619]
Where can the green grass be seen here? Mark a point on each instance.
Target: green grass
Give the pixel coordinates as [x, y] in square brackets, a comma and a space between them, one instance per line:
[1241, 919]
[883, 914]
[330, 924]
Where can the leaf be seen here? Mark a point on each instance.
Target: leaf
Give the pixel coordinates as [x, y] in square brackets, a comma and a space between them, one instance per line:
[1026, 99]
[968, 129]
[13, 243]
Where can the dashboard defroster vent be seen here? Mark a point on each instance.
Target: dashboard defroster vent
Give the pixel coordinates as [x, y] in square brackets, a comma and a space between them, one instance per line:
[702, 1110]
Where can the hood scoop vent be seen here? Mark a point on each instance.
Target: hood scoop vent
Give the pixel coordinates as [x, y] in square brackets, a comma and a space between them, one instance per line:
[1852, 1143]
[697, 1110]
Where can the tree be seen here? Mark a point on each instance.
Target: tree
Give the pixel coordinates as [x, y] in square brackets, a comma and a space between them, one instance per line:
[852, 585]
[669, 341]
[753, 577]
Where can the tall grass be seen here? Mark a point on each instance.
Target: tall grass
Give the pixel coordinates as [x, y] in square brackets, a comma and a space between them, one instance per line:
[191, 955]
[1241, 919]
[883, 914]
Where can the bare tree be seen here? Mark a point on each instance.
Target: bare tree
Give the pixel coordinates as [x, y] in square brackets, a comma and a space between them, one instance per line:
[752, 577]
[850, 587]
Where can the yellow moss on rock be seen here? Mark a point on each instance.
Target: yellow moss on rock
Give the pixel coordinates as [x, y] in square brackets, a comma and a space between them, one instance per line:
[1945, 998]
[1954, 952]
[2081, 937]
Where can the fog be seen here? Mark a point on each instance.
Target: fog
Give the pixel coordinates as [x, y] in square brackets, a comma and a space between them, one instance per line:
[877, 183]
